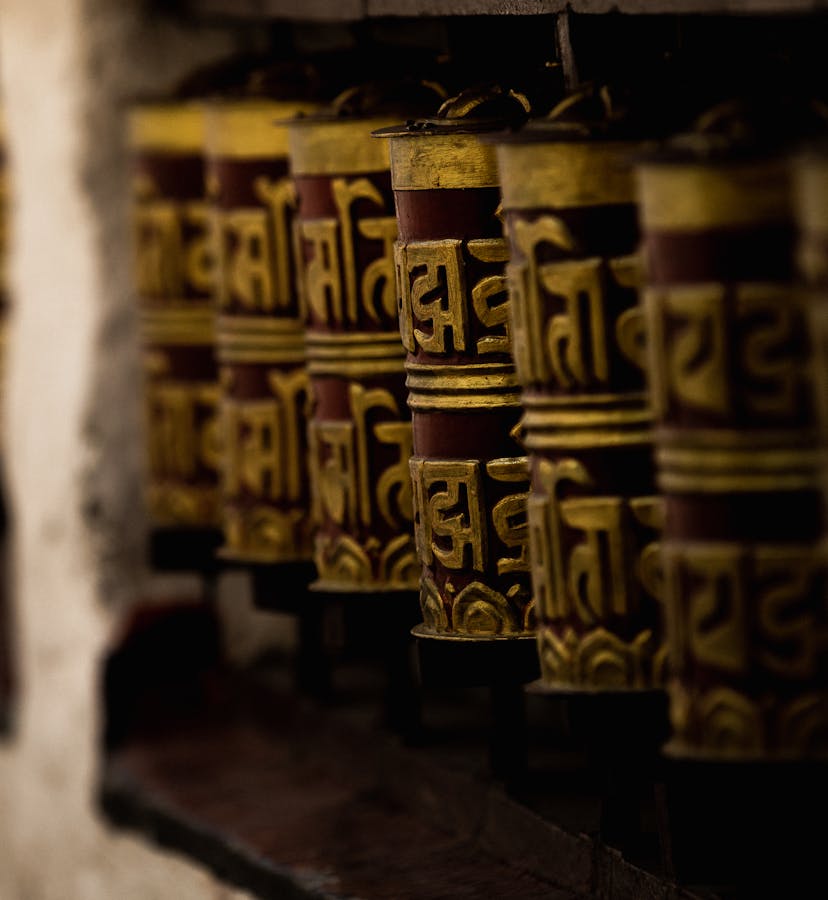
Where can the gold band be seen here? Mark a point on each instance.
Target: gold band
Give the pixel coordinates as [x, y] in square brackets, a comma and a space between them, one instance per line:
[811, 192]
[601, 420]
[254, 326]
[366, 345]
[748, 440]
[695, 196]
[724, 470]
[167, 128]
[446, 403]
[259, 342]
[484, 376]
[355, 355]
[248, 129]
[339, 147]
[428, 162]
[178, 326]
[565, 174]
[474, 386]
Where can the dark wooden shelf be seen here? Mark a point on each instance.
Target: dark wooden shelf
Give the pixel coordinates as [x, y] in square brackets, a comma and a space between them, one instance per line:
[288, 797]
[354, 10]
[287, 801]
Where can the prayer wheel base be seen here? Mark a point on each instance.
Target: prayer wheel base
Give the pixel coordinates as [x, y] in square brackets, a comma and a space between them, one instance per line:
[374, 627]
[620, 734]
[338, 627]
[461, 661]
[756, 825]
[179, 549]
[501, 664]
[364, 624]
[280, 587]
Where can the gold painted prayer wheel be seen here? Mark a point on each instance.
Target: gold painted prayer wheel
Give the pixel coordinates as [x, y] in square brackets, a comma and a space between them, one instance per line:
[811, 193]
[468, 469]
[578, 336]
[174, 271]
[265, 496]
[736, 449]
[360, 428]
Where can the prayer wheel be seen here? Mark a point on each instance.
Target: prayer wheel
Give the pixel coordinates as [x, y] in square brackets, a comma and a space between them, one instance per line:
[468, 469]
[578, 337]
[736, 450]
[265, 492]
[174, 272]
[811, 197]
[360, 429]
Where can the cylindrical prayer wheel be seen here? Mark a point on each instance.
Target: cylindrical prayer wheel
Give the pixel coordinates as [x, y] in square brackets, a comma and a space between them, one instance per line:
[360, 428]
[736, 454]
[259, 332]
[577, 332]
[469, 471]
[174, 270]
[811, 207]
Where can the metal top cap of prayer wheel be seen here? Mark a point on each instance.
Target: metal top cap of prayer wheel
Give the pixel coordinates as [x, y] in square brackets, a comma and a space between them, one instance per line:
[171, 127]
[731, 169]
[578, 155]
[454, 156]
[333, 140]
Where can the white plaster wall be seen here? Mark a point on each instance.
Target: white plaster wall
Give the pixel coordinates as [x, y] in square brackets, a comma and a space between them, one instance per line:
[72, 418]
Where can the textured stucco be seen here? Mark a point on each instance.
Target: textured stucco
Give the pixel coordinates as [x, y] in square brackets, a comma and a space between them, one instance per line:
[73, 446]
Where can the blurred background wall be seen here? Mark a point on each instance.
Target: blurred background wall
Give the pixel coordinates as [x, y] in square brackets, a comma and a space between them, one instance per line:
[72, 447]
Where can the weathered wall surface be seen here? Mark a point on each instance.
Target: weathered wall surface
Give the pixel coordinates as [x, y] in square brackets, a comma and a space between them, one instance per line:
[73, 447]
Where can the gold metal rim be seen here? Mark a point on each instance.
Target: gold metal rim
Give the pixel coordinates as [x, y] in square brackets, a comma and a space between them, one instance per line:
[177, 326]
[586, 418]
[457, 401]
[248, 129]
[231, 354]
[583, 438]
[565, 174]
[332, 338]
[356, 351]
[421, 631]
[733, 482]
[725, 438]
[811, 193]
[434, 162]
[355, 368]
[340, 147]
[175, 128]
[740, 469]
[461, 382]
[257, 325]
[632, 399]
[727, 459]
[696, 197]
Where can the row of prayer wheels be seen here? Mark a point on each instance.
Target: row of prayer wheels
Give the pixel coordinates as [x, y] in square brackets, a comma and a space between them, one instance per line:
[559, 382]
